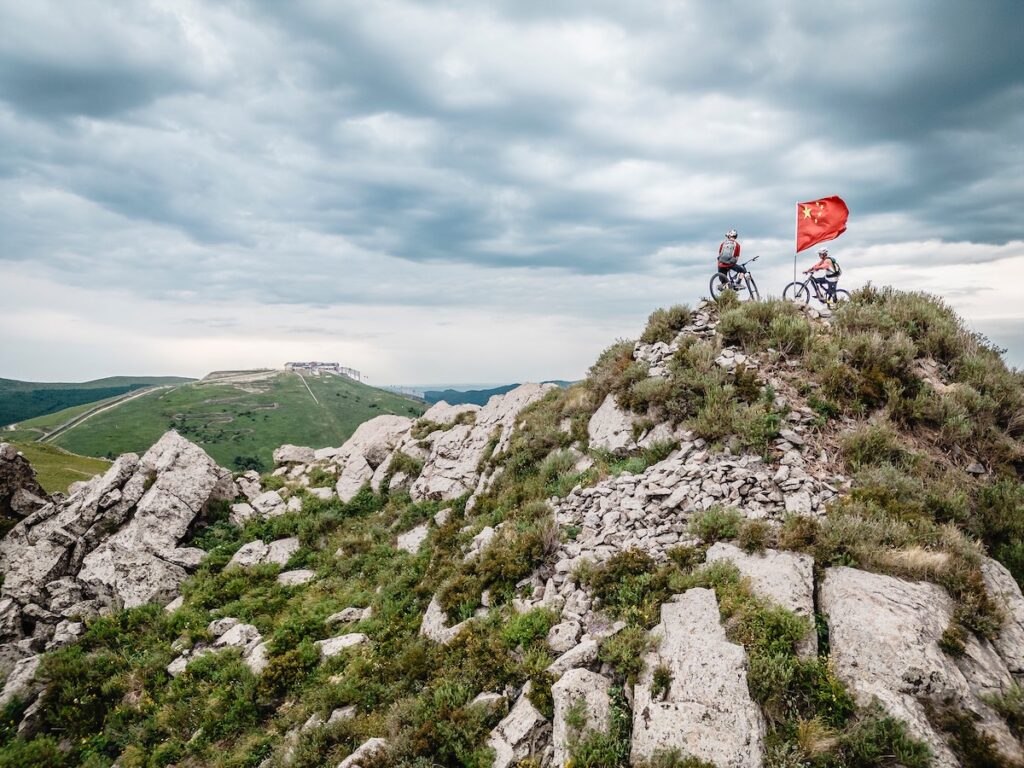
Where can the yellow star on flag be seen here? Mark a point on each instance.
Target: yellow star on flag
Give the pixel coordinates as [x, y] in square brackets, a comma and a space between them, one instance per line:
[807, 211]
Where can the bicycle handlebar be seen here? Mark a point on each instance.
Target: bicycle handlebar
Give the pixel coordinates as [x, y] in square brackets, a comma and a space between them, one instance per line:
[750, 260]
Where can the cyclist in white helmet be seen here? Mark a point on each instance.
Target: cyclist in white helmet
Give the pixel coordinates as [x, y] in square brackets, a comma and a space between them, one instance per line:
[832, 271]
[729, 256]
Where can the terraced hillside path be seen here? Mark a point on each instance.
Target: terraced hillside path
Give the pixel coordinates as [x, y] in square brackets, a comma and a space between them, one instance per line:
[100, 408]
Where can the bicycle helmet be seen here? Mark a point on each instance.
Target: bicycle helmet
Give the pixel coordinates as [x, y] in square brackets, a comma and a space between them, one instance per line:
[823, 252]
[732, 233]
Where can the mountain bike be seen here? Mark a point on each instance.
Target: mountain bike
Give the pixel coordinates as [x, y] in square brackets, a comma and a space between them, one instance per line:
[735, 282]
[801, 292]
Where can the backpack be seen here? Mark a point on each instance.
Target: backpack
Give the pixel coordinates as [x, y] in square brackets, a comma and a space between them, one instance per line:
[836, 270]
[728, 252]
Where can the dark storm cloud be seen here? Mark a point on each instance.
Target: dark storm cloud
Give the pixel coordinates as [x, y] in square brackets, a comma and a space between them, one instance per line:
[242, 148]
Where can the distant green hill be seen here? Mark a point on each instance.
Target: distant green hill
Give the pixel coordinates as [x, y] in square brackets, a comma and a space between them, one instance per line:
[238, 417]
[475, 396]
[22, 400]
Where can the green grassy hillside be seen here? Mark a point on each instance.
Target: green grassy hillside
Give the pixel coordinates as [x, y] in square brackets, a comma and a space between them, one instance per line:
[239, 419]
[56, 469]
[22, 400]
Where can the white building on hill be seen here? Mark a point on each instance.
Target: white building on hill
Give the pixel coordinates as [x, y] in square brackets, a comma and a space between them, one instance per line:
[317, 368]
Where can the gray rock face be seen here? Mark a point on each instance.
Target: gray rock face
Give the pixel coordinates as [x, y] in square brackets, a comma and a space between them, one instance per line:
[884, 635]
[115, 542]
[412, 540]
[786, 578]
[354, 476]
[435, 624]
[257, 553]
[269, 504]
[348, 615]
[369, 749]
[20, 682]
[563, 637]
[707, 711]
[611, 428]
[442, 413]
[518, 736]
[1002, 588]
[20, 492]
[332, 646]
[580, 655]
[452, 467]
[583, 694]
[293, 454]
[296, 578]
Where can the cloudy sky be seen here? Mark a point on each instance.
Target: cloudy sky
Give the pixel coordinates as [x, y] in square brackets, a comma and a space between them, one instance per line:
[480, 191]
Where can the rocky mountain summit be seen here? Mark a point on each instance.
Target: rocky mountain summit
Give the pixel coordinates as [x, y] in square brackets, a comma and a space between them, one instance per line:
[758, 536]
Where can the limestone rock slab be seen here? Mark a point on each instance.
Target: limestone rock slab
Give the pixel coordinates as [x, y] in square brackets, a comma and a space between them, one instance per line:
[587, 691]
[707, 711]
[884, 634]
[786, 578]
[611, 428]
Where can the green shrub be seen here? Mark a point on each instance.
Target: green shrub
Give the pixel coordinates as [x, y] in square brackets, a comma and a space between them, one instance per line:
[648, 393]
[40, 752]
[661, 682]
[973, 747]
[321, 478]
[754, 535]
[673, 758]
[877, 740]
[1010, 706]
[716, 523]
[790, 335]
[952, 640]
[271, 482]
[665, 324]
[524, 629]
[875, 445]
[606, 375]
[624, 652]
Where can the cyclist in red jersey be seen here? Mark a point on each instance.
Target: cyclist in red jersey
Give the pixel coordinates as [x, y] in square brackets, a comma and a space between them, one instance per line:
[729, 256]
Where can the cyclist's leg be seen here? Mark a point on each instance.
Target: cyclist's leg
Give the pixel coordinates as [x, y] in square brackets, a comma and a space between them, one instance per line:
[741, 271]
[723, 274]
[830, 287]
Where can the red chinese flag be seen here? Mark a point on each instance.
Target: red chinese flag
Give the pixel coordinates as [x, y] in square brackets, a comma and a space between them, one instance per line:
[820, 220]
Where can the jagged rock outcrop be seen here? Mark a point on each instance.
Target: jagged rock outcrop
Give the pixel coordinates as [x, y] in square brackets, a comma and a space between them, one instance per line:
[652, 511]
[413, 539]
[785, 578]
[884, 634]
[453, 465]
[578, 695]
[521, 734]
[293, 454]
[435, 624]
[1004, 590]
[20, 492]
[451, 455]
[611, 428]
[370, 749]
[116, 542]
[258, 553]
[706, 710]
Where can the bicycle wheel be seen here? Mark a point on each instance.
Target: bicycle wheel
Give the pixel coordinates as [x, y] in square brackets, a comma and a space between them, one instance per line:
[795, 291]
[718, 285]
[842, 296]
[755, 295]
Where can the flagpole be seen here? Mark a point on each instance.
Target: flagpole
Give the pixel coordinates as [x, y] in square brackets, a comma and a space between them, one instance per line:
[796, 223]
